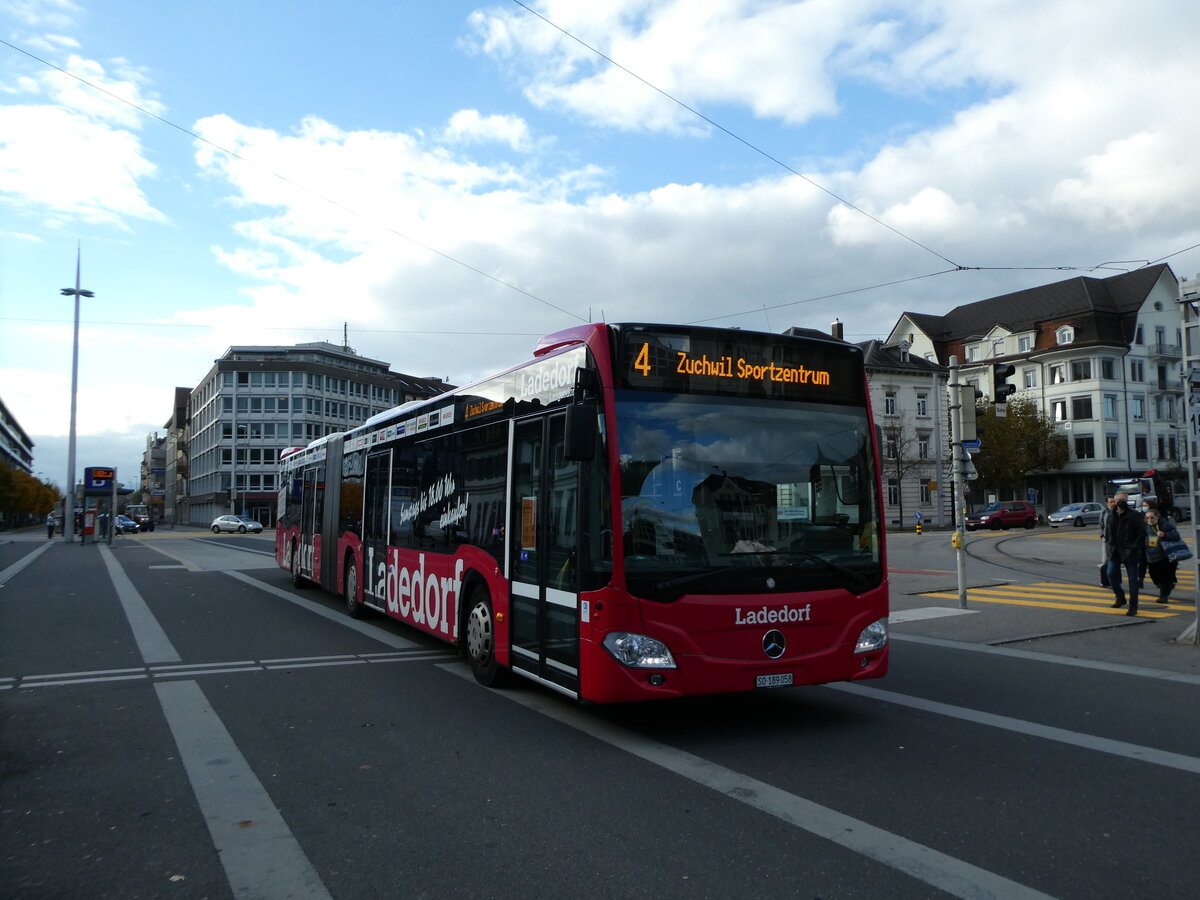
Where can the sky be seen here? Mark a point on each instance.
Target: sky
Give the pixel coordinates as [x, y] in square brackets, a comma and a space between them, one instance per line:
[441, 183]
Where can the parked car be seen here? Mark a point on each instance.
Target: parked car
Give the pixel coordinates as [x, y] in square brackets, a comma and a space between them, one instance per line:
[126, 525]
[1077, 514]
[240, 524]
[1004, 514]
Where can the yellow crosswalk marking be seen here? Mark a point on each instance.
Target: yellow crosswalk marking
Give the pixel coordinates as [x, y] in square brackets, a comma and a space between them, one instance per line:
[1052, 595]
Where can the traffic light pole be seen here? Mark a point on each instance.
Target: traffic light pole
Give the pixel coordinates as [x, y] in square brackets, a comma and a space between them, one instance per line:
[959, 481]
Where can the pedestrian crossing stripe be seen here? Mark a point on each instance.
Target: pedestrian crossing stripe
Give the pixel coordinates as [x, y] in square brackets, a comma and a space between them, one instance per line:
[1054, 595]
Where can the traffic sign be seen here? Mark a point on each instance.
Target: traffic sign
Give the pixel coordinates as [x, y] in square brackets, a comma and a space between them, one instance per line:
[971, 445]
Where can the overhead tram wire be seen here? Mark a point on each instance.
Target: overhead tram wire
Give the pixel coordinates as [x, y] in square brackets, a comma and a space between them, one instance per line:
[288, 181]
[286, 328]
[957, 266]
[740, 139]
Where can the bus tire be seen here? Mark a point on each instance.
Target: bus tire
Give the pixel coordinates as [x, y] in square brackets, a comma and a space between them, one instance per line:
[481, 638]
[298, 580]
[354, 609]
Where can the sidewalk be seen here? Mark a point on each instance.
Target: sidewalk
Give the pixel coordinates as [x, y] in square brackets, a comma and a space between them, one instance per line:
[1131, 641]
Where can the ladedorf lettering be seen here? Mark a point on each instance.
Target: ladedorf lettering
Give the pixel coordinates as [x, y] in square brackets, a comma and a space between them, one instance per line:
[423, 598]
[768, 616]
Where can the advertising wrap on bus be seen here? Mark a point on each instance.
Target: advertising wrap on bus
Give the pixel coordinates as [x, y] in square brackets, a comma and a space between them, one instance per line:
[638, 512]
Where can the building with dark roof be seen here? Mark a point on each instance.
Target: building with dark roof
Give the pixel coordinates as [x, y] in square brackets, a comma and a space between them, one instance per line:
[1099, 356]
[258, 400]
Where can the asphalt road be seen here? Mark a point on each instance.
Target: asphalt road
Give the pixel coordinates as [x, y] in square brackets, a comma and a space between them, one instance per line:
[177, 721]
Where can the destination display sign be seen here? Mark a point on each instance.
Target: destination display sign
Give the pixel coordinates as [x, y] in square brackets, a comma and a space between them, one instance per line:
[719, 361]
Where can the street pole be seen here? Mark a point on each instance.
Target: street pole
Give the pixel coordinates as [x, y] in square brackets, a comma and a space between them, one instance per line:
[1190, 333]
[69, 494]
[956, 454]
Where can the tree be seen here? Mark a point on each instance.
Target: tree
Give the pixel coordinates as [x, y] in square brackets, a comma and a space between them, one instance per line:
[1016, 445]
[900, 453]
[23, 497]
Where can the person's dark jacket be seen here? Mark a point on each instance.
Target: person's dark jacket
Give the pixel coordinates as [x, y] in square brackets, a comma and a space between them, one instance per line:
[1125, 536]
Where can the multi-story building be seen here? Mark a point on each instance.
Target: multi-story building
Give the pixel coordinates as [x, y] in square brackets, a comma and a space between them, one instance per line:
[908, 401]
[175, 461]
[16, 448]
[257, 401]
[153, 475]
[1099, 356]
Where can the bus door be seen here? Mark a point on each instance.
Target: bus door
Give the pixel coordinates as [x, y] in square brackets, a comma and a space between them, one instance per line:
[312, 500]
[376, 508]
[544, 611]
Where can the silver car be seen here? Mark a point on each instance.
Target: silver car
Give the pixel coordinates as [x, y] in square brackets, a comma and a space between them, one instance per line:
[1077, 514]
[240, 524]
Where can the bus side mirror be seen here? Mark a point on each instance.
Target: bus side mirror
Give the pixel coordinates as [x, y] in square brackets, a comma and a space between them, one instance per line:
[579, 440]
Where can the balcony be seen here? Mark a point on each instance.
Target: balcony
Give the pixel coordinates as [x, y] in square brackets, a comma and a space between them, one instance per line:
[1165, 351]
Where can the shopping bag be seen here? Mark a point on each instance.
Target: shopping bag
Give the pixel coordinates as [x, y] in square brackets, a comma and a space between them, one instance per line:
[1177, 551]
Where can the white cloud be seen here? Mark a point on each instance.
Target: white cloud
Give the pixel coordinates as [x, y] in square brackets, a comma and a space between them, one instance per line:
[42, 13]
[467, 126]
[69, 151]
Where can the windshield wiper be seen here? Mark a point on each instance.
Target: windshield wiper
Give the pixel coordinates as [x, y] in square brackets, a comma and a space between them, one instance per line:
[807, 554]
[694, 576]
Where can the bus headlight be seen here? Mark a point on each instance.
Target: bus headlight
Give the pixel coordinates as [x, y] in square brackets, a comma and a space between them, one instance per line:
[638, 651]
[873, 637]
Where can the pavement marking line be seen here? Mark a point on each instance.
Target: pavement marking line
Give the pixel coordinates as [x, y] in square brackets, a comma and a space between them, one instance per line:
[899, 616]
[27, 560]
[1137, 752]
[1050, 658]
[982, 597]
[363, 628]
[259, 853]
[939, 870]
[152, 641]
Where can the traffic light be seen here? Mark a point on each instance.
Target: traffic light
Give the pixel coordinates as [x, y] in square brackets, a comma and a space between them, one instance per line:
[1000, 386]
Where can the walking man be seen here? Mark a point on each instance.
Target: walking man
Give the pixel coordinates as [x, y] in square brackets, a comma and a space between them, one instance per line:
[1125, 540]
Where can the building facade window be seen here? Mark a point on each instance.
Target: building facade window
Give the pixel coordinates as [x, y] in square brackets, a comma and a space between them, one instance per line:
[1058, 374]
[923, 446]
[1141, 448]
[1137, 370]
[1081, 370]
[889, 403]
[1108, 368]
[893, 492]
[922, 404]
[1110, 406]
[1085, 446]
[998, 347]
[1024, 343]
[1065, 335]
[926, 494]
[1059, 410]
[1081, 408]
[1137, 408]
[1029, 377]
[1110, 446]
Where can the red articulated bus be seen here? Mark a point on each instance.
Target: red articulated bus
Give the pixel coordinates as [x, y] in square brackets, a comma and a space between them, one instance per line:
[638, 512]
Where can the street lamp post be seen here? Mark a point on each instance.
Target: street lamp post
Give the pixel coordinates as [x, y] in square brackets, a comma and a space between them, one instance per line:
[69, 493]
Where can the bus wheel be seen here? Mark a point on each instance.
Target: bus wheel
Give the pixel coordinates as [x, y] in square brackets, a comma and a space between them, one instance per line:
[481, 639]
[297, 579]
[353, 607]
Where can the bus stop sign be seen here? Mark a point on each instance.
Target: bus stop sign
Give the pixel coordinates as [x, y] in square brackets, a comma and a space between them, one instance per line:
[98, 479]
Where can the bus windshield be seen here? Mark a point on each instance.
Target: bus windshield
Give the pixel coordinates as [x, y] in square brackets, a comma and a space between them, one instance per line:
[736, 495]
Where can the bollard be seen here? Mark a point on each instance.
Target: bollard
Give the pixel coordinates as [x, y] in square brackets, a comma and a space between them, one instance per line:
[918, 527]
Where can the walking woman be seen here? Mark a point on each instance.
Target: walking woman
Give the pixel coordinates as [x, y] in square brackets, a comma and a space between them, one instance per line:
[1159, 528]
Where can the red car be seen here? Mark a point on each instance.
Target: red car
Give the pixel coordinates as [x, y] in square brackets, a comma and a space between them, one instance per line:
[1004, 514]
